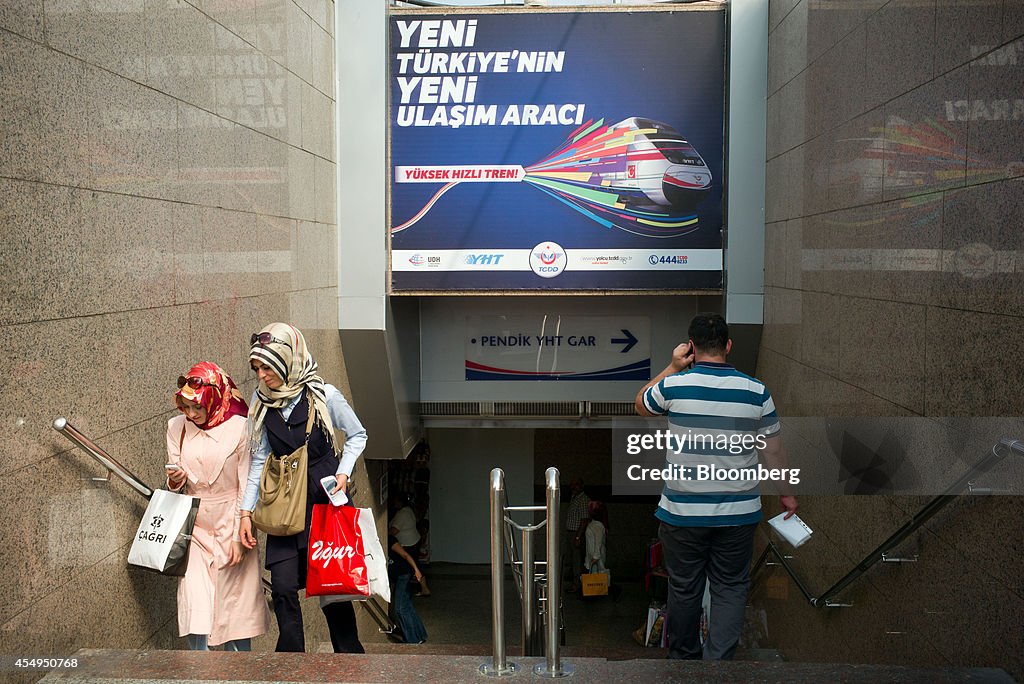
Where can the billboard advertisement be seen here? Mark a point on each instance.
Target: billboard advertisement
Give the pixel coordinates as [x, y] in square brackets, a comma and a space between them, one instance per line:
[557, 150]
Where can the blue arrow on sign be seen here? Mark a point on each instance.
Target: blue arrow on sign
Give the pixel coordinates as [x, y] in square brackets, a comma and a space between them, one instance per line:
[628, 340]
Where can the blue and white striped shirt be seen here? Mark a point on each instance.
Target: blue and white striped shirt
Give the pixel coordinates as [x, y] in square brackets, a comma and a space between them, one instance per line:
[716, 414]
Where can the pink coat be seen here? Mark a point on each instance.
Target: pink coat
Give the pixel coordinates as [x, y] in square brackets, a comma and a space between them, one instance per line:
[226, 603]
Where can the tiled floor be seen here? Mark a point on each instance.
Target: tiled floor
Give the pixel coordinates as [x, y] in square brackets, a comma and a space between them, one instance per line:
[459, 613]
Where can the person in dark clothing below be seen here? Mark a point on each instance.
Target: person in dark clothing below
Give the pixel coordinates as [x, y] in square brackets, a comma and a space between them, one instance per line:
[707, 527]
[403, 569]
[289, 392]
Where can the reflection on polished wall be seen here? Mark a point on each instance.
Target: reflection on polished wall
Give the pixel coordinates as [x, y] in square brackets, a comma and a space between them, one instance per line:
[166, 188]
[894, 274]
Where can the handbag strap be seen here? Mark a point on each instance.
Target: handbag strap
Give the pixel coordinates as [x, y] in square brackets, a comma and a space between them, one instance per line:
[181, 440]
[311, 410]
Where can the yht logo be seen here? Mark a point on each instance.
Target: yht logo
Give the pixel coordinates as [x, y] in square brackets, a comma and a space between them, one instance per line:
[547, 259]
[483, 259]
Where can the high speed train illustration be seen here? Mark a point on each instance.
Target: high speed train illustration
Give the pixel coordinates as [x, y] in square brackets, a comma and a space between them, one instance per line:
[646, 162]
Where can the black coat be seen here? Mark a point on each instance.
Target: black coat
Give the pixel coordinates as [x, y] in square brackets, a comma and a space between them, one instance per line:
[285, 436]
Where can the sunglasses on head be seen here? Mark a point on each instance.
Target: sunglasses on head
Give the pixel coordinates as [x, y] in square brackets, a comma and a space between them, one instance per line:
[194, 383]
[266, 338]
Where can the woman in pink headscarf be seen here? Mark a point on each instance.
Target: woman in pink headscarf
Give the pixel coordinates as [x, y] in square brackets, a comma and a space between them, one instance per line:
[220, 600]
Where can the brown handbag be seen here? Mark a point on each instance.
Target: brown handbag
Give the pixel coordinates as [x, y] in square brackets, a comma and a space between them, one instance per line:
[281, 508]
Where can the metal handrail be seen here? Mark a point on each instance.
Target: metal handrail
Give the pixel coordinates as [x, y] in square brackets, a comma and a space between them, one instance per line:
[999, 451]
[528, 580]
[65, 428]
[112, 465]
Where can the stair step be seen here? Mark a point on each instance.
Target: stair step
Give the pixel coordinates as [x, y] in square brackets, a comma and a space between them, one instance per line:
[137, 667]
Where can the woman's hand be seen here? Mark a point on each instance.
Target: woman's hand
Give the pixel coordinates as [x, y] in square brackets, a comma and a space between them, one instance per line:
[236, 553]
[175, 479]
[342, 485]
[245, 532]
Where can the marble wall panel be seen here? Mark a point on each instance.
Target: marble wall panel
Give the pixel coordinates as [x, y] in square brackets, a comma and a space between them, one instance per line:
[774, 259]
[900, 49]
[782, 320]
[787, 48]
[964, 612]
[131, 139]
[319, 12]
[829, 23]
[275, 256]
[980, 248]
[221, 164]
[327, 316]
[923, 155]
[292, 106]
[884, 351]
[992, 110]
[23, 17]
[302, 310]
[318, 109]
[219, 331]
[964, 29]
[855, 161]
[774, 200]
[38, 270]
[788, 116]
[54, 373]
[181, 52]
[44, 112]
[316, 260]
[302, 190]
[298, 50]
[815, 172]
[1013, 20]
[325, 190]
[952, 338]
[323, 61]
[215, 253]
[108, 35]
[238, 16]
[778, 10]
[271, 30]
[128, 243]
[820, 337]
[792, 251]
[835, 83]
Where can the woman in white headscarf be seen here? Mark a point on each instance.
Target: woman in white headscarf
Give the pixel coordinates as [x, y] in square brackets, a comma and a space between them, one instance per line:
[289, 388]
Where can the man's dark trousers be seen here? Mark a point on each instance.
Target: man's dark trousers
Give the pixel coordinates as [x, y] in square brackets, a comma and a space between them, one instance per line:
[694, 555]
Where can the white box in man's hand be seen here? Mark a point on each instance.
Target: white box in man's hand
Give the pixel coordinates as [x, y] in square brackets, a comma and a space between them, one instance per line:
[794, 530]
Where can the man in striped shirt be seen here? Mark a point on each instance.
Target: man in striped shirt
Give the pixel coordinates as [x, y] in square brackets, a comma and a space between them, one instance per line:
[719, 421]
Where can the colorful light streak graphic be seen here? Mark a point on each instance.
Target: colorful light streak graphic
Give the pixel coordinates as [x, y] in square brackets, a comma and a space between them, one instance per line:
[638, 175]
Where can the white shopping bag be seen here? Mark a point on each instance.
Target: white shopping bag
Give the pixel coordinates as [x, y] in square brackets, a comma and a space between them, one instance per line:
[376, 563]
[165, 533]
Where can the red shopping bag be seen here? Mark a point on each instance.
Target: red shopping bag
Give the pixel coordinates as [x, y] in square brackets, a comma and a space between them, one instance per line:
[335, 560]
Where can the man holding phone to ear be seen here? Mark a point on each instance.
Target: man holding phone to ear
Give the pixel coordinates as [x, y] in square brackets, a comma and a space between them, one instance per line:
[707, 527]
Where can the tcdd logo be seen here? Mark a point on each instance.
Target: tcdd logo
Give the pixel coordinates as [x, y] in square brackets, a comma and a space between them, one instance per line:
[547, 259]
[416, 260]
[483, 259]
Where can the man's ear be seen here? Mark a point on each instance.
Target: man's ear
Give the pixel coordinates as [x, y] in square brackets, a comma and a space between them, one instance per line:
[728, 347]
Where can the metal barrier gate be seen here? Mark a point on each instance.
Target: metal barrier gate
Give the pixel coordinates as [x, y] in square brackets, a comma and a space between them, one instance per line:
[540, 593]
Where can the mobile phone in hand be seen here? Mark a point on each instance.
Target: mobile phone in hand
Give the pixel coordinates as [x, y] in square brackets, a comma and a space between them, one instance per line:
[338, 497]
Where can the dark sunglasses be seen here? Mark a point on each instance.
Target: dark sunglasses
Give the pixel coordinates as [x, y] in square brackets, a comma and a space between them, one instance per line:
[266, 338]
[194, 383]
